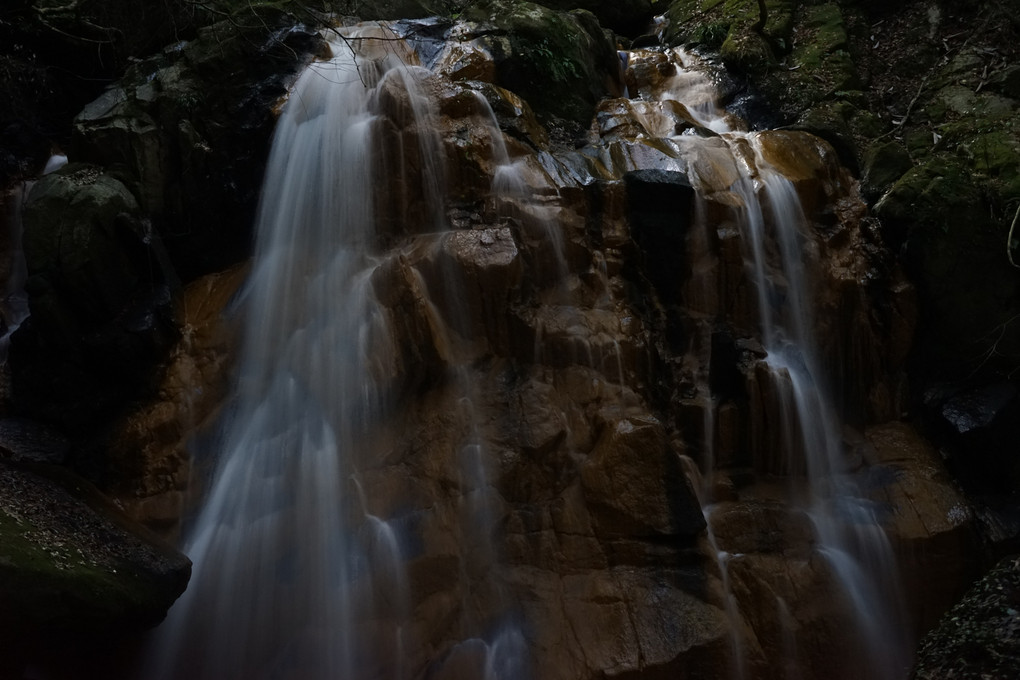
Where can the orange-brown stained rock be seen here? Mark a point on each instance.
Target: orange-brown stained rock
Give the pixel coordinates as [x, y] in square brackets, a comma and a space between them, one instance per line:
[149, 448]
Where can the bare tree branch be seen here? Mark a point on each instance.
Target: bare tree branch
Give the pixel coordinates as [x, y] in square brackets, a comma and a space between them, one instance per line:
[763, 17]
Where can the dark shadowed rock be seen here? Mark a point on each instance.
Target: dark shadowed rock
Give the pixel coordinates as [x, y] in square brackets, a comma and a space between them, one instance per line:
[660, 204]
[635, 483]
[99, 287]
[561, 63]
[72, 567]
[626, 17]
[980, 636]
[978, 408]
[187, 130]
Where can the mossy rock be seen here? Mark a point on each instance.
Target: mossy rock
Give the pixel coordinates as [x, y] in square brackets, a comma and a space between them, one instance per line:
[71, 233]
[884, 163]
[710, 23]
[625, 17]
[995, 155]
[955, 252]
[747, 52]
[72, 565]
[99, 292]
[820, 65]
[558, 62]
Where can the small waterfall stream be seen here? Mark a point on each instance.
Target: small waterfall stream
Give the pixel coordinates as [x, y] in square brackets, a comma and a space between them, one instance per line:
[805, 428]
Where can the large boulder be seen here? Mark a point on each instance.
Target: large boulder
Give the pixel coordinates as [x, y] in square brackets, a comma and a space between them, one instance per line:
[626, 17]
[99, 288]
[561, 63]
[74, 572]
[636, 484]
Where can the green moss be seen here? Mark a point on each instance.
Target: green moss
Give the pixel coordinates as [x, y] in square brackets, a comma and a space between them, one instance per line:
[535, 47]
[995, 154]
[746, 51]
[884, 164]
[955, 252]
[710, 35]
[931, 196]
[867, 125]
[713, 23]
[821, 53]
[919, 141]
[54, 586]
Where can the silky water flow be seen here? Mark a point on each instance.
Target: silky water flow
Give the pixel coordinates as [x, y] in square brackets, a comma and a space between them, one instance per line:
[293, 577]
[777, 259]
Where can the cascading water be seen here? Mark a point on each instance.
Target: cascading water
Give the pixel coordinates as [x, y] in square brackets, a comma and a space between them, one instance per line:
[293, 577]
[298, 573]
[805, 430]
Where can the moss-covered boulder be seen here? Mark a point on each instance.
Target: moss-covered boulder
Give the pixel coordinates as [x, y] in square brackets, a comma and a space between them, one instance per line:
[99, 291]
[73, 570]
[747, 40]
[626, 17]
[884, 162]
[953, 209]
[560, 63]
[821, 64]
[955, 252]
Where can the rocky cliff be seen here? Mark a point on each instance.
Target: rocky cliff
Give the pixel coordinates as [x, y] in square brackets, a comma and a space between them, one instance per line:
[606, 358]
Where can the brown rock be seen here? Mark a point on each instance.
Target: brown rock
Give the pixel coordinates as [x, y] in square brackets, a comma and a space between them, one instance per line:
[931, 526]
[635, 483]
[149, 452]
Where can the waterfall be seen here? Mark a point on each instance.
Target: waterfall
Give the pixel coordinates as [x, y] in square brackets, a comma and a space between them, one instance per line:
[805, 431]
[300, 574]
[293, 576]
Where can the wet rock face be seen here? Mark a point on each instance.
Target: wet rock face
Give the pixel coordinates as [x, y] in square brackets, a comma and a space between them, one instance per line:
[906, 473]
[659, 207]
[637, 485]
[920, 93]
[148, 460]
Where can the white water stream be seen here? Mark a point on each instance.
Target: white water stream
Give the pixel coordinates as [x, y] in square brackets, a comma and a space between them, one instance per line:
[293, 578]
[848, 534]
